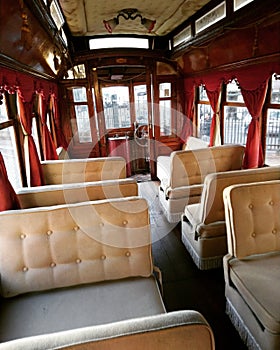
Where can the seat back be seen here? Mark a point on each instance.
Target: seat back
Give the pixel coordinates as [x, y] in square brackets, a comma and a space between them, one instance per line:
[211, 208]
[83, 170]
[65, 245]
[252, 214]
[190, 167]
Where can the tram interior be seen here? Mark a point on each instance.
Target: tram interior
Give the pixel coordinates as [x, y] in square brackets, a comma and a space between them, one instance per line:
[140, 174]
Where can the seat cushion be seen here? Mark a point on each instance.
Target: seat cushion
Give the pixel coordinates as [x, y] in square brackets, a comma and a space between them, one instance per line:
[80, 306]
[257, 278]
[211, 230]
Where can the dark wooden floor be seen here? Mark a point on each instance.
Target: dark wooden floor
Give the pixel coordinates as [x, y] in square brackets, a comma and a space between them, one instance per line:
[184, 285]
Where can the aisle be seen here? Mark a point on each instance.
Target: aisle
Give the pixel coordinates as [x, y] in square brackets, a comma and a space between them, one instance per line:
[160, 227]
[185, 286]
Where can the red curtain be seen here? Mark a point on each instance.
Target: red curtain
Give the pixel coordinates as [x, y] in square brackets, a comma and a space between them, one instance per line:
[189, 111]
[60, 138]
[254, 101]
[47, 141]
[8, 197]
[253, 83]
[34, 173]
[214, 99]
[26, 85]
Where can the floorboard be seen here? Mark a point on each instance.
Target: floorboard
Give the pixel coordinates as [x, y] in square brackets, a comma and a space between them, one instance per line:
[184, 285]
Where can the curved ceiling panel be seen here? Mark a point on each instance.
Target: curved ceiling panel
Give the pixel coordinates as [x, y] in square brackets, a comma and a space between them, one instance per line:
[86, 17]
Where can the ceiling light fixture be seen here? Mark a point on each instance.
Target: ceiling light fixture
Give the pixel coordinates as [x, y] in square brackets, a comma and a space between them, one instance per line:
[132, 14]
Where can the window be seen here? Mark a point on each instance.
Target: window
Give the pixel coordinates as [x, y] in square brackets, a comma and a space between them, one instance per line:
[82, 115]
[236, 116]
[56, 14]
[8, 148]
[116, 107]
[165, 110]
[272, 154]
[204, 113]
[212, 17]
[115, 42]
[237, 4]
[141, 104]
[77, 72]
[183, 36]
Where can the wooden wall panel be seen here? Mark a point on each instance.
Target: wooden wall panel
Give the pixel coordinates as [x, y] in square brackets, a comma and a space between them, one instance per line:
[235, 45]
[12, 47]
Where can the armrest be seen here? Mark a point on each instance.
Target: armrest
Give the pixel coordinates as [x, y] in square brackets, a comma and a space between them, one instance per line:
[179, 330]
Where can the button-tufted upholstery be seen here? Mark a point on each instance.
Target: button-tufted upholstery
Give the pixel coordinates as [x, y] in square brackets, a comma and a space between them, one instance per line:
[184, 182]
[74, 244]
[251, 267]
[203, 224]
[79, 276]
[83, 170]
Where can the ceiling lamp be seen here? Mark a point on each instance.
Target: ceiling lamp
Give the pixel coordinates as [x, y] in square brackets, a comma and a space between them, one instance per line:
[132, 14]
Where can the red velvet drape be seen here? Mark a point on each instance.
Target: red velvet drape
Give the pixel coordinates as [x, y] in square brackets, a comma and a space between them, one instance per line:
[60, 138]
[214, 99]
[254, 101]
[26, 85]
[253, 83]
[34, 175]
[47, 141]
[187, 129]
[8, 197]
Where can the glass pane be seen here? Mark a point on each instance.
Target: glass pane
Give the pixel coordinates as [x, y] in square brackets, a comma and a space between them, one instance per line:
[237, 4]
[165, 90]
[35, 136]
[95, 115]
[273, 137]
[141, 104]
[234, 93]
[236, 123]
[275, 90]
[77, 72]
[56, 14]
[165, 117]
[105, 43]
[183, 36]
[204, 121]
[211, 17]
[83, 124]
[80, 94]
[116, 107]
[9, 152]
[202, 94]
[3, 111]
